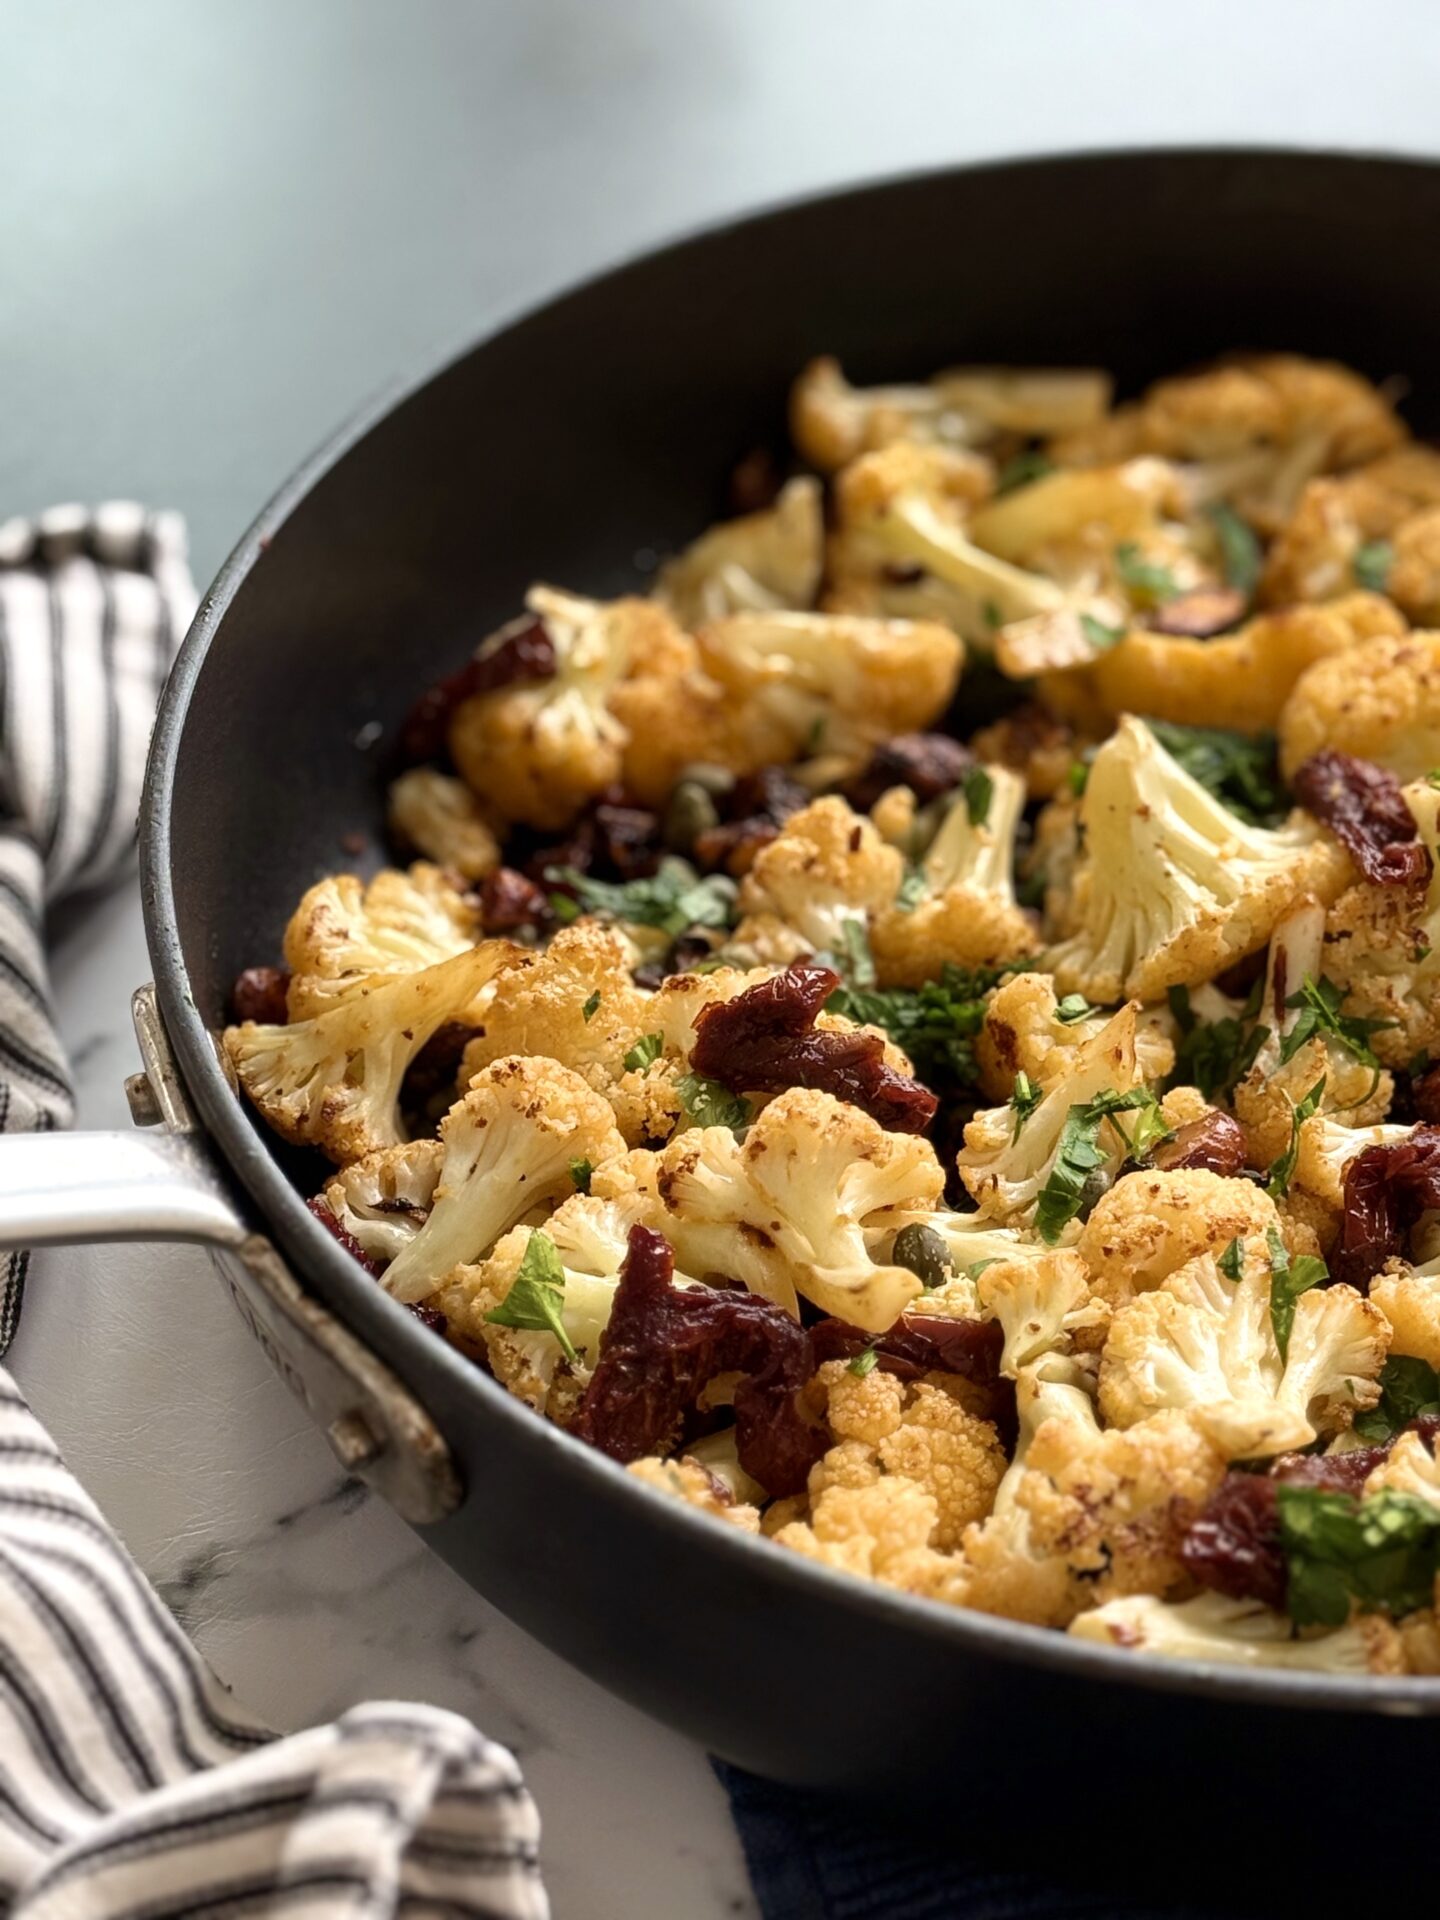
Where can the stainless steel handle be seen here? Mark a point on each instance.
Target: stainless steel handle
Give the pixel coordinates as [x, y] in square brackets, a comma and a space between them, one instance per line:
[66, 1188]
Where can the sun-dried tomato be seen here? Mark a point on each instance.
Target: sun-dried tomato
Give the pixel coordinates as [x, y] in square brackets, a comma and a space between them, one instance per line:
[508, 901]
[1215, 1142]
[629, 838]
[1387, 1188]
[522, 651]
[1425, 1096]
[663, 1344]
[430, 1317]
[917, 1344]
[928, 763]
[766, 1040]
[751, 815]
[1365, 809]
[432, 1073]
[347, 1240]
[259, 995]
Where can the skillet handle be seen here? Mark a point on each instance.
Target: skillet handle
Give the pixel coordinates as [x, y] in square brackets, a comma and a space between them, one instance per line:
[67, 1188]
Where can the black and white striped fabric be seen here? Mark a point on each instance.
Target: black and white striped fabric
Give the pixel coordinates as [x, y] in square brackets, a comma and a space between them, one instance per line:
[133, 1788]
[92, 607]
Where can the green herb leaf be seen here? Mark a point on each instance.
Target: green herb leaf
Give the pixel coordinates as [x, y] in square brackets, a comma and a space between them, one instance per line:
[709, 1104]
[1239, 549]
[1242, 770]
[645, 1052]
[1023, 1102]
[1319, 1005]
[993, 616]
[1288, 1280]
[1073, 1009]
[1022, 470]
[1382, 1553]
[1213, 1055]
[561, 905]
[1372, 564]
[1231, 1261]
[536, 1300]
[1098, 634]
[1409, 1387]
[1078, 1155]
[865, 1362]
[913, 889]
[580, 1172]
[977, 1267]
[935, 1024]
[1148, 583]
[1077, 774]
[591, 1007]
[854, 962]
[1149, 1130]
[1277, 1184]
[979, 791]
[815, 738]
[1432, 778]
[674, 898]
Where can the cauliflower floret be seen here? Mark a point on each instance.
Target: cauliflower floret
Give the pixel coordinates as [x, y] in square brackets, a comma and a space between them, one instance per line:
[866, 1530]
[1228, 1633]
[1410, 1301]
[383, 1200]
[1042, 1299]
[967, 914]
[831, 421]
[333, 1081]
[1203, 1342]
[439, 816]
[761, 561]
[1005, 1174]
[509, 1145]
[538, 751]
[1174, 887]
[1150, 1224]
[1240, 681]
[1021, 1034]
[1382, 947]
[689, 1480]
[814, 888]
[786, 1210]
[344, 932]
[1409, 1467]
[1035, 743]
[1392, 499]
[1379, 701]
[1116, 1504]
[1327, 1147]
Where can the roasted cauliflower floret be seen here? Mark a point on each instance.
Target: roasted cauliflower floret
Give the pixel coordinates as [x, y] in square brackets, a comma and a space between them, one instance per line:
[1410, 1301]
[816, 886]
[689, 1480]
[1229, 1633]
[1205, 1343]
[786, 1210]
[333, 1080]
[1174, 887]
[967, 913]
[536, 752]
[383, 1200]
[1382, 948]
[1023, 1034]
[345, 931]
[1379, 701]
[869, 1530]
[1325, 1149]
[1333, 536]
[509, 1145]
[758, 563]
[1004, 1168]
[964, 407]
[1043, 1301]
[438, 816]
[1152, 1223]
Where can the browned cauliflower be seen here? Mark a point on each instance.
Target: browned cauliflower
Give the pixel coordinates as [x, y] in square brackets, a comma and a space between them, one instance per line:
[1220, 1631]
[345, 931]
[1382, 948]
[689, 1480]
[761, 561]
[1379, 701]
[1152, 1223]
[1023, 1034]
[1334, 531]
[438, 816]
[1409, 1298]
[817, 885]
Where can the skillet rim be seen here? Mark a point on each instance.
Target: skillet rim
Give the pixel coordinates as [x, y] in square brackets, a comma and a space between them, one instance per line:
[245, 1156]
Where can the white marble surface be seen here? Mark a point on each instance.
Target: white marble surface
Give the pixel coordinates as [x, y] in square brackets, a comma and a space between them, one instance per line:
[306, 1593]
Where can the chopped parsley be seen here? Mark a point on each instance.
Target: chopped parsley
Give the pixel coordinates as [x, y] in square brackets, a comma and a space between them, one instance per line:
[1289, 1278]
[673, 898]
[1318, 1002]
[1382, 1552]
[536, 1300]
[645, 1052]
[1277, 1183]
[1409, 1387]
[1148, 583]
[1077, 776]
[709, 1104]
[935, 1023]
[977, 1267]
[913, 889]
[1372, 565]
[1215, 1055]
[1080, 1154]
[580, 1172]
[865, 1361]
[1232, 1259]
[591, 1007]
[1073, 1009]
[993, 616]
[1240, 769]
[1023, 1102]
[1022, 470]
[1099, 634]
[979, 791]
[1239, 549]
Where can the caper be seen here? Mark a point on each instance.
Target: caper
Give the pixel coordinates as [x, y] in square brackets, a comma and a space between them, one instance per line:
[924, 1253]
[704, 773]
[690, 813]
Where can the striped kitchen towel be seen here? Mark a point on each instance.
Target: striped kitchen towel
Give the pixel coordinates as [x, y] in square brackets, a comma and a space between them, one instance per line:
[132, 1785]
[92, 607]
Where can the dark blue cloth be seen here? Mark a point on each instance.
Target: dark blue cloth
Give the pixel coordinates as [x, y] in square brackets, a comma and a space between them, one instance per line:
[811, 1858]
